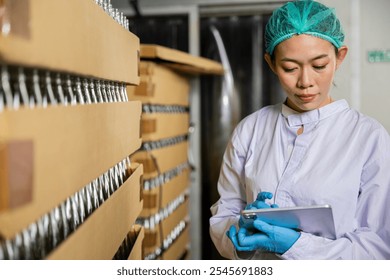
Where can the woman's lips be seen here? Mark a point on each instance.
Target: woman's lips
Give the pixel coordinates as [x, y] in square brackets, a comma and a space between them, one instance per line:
[306, 97]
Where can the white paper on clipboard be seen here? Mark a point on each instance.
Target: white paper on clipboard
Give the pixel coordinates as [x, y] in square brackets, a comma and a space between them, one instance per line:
[317, 219]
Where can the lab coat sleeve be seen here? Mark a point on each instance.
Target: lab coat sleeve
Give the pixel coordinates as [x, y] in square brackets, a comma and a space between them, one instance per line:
[371, 239]
[226, 211]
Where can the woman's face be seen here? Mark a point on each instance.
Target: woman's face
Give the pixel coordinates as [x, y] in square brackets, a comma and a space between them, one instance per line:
[306, 66]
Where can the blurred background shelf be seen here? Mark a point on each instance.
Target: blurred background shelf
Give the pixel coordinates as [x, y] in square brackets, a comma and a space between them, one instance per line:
[67, 131]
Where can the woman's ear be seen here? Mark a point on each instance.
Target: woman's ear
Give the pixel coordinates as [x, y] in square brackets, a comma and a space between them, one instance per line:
[341, 54]
[270, 63]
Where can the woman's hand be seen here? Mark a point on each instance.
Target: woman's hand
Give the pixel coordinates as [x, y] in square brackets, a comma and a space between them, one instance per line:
[259, 203]
[263, 236]
[258, 235]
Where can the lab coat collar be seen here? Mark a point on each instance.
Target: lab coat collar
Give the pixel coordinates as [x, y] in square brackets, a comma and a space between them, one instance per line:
[297, 119]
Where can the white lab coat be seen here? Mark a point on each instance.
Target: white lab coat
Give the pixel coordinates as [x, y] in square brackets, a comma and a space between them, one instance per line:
[342, 158]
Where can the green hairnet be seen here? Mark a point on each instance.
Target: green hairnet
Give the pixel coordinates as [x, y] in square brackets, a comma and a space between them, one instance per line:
[303, 17]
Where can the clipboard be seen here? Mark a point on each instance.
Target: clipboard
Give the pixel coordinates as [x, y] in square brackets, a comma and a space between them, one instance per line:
[316, 219]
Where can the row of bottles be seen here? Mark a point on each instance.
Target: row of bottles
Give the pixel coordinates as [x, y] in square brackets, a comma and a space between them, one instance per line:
[30, 87]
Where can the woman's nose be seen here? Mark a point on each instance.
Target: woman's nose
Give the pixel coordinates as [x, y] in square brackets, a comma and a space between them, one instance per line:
[305, 79]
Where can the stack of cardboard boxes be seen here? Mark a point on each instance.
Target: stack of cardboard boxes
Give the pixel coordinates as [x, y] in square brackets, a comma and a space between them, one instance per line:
[68, 189]
[164, 91]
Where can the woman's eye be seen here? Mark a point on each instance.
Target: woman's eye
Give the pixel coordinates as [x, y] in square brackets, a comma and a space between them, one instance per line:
[319, 67]
[288, 70]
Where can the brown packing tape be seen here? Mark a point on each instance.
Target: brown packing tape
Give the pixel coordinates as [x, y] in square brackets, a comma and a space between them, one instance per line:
[151, 200]
[148, 126]
[15, 18]
[162, 86]
[147, 68]
[151, 241]
[17, 169]
[4, 18]
[69, 152]
[149, 164]
[144, 89]
[149, 246]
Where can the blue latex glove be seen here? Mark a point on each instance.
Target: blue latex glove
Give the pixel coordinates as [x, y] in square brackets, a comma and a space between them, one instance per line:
[267, 237]
[233, 236]
[259, 203]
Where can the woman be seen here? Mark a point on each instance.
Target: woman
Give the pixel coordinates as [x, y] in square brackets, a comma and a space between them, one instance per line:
[311, 150]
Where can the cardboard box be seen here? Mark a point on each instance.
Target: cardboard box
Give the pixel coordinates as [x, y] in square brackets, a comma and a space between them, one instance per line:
[181, 61]
[160, 85]
[100, 236]
[68, 35]
[156, 126]
[160, 196]
[136, 252]
[63, 148]
[154, 237]
[164, 74]
[161, 160]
